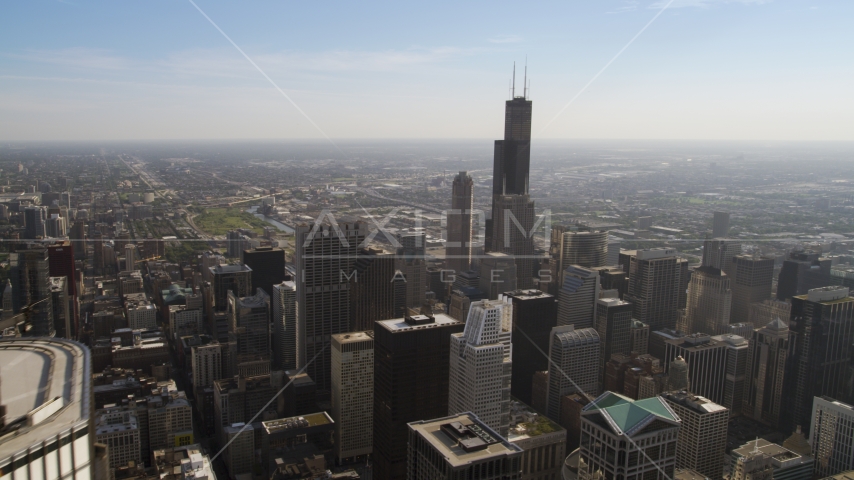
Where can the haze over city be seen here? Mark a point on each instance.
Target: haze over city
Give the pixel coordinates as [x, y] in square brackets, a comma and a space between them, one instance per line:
[607, 240]
[703, 69]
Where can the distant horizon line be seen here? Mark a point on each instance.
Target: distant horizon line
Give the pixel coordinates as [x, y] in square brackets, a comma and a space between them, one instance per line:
[418, 139]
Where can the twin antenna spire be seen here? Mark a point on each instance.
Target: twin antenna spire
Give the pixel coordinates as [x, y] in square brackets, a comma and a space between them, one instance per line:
[526, 85]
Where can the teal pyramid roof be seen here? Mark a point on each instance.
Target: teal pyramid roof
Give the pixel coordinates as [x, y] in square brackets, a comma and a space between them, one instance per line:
[629, 415]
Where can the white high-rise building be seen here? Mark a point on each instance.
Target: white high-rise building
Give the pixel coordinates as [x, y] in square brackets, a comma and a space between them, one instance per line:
[577, 297]
[353, 393]
[574, 354]
[285, 325]
[480, 365]
[207, 364]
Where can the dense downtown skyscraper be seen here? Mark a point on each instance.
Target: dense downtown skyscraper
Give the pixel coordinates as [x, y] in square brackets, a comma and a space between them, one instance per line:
[583, 246]
[720, 225]
[512, 208]
[701, 443]
[377, 289]
[709, 301]
[284, 307]
[821, 332]
[411, 373]
[719, 252]
[480, 364]
[535, 314]
[268, 266]
[459, 247]
[618, 434]
[614, 324]
[30, 273]
[573, 366]
[655, 280]
[766, 367]
[577, 297]
[353, 393]
[751, 280]
[325, 255]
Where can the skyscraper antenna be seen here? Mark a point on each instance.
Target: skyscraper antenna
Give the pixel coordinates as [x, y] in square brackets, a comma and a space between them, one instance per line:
[513, 88]
[525, 81]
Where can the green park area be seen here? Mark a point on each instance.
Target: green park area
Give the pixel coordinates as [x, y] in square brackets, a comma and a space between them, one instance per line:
[218, 221]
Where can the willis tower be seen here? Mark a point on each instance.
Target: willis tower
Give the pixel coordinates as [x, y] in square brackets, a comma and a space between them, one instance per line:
[512, 207]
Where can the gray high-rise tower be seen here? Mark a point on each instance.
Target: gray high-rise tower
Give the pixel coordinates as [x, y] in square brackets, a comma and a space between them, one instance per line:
[720, 225]
[458, 249]
[325, 257]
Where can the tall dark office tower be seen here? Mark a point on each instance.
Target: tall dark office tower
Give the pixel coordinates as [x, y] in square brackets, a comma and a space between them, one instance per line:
[234, 243]
[613, 278]
[510, 199]
[751, 277]
[411, 373]
[534, 313]
[707, 363]
[268, 266]
[250, 328]
[30, 273]
[61, 259]
[458, 250]
[766, 368]
[720, 225]
[234, 278]
[512, 234]
[34, 221]
[821, 332]
[325, 255]
[718, 253]
[412, 263]
[78, 237]
[802, 272]
[614, 324]
[376, 292]
[655, 280]
[513, 154]
[709, 302]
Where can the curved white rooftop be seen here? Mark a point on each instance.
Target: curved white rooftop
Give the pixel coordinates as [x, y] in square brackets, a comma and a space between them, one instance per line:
[45, 385]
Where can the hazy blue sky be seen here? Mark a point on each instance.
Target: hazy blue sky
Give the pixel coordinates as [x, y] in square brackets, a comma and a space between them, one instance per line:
[705, 69]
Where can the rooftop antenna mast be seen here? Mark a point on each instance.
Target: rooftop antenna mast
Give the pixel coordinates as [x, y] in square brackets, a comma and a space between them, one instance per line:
[513, 88]
[525, 81]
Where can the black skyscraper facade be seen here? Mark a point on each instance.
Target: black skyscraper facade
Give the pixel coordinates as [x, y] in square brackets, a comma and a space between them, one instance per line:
[268, 267]
[821, 334]
[801, 272]
[513, 154]
[534, 313]
[411, 368]
[30, 274]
